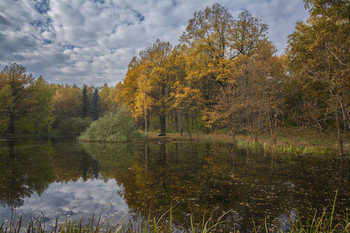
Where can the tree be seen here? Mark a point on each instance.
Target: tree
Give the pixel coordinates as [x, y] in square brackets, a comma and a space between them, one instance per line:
[183, 98]
[95, 106]
[254, 99]
[17, 90]
[68, 101]
[147, 83]
[214, 39]
[41, 115]
[107, 98]
[319, 54]
[5, 107]
[160, 78]
[85, 102]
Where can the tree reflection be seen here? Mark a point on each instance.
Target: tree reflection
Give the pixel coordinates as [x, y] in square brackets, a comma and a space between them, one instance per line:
[196, 178]
[29, 167]
[200, 178]
[26, 167]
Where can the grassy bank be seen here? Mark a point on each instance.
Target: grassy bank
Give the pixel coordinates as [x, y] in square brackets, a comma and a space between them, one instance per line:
[295, 142]
[327, 221]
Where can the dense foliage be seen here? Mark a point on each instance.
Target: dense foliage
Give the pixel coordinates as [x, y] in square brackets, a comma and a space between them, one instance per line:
[26, 103]
[112, 127]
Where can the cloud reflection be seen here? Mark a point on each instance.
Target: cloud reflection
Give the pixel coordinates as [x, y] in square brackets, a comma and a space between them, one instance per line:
[73, 200]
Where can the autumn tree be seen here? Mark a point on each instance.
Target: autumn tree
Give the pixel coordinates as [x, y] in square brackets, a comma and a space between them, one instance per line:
[17, 89]
[156, 63]
[107, 98]
[320, 59]
[214, 39]
[127, 90]
[68, 101]
[146, 86]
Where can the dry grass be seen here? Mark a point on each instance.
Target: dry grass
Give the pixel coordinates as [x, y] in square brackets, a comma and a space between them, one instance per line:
[310, 141]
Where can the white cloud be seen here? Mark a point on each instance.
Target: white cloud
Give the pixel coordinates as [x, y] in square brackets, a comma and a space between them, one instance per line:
[90, 42]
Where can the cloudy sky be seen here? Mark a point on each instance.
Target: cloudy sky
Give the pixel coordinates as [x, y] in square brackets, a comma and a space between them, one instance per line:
[92, 41]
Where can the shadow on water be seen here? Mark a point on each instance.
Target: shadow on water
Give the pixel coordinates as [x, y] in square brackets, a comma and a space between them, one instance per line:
[195, 178]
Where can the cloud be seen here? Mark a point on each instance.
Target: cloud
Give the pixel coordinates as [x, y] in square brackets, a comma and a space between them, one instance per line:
[92, 42]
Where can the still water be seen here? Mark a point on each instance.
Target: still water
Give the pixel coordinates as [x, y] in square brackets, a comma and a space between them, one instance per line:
[67, 180]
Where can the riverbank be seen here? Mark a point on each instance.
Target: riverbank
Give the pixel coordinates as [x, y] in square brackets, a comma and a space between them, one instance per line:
[326, 221]
[291, 141]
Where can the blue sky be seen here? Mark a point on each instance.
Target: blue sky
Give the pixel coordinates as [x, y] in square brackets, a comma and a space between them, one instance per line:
[92, 41]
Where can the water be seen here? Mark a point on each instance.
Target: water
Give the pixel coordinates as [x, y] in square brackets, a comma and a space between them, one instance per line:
[68, 180]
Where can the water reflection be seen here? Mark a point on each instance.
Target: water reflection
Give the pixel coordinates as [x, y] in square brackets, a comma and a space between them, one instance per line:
[68, 179]
[25, 168]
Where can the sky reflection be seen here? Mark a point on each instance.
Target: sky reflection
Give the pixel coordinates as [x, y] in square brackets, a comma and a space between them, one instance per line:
[73, 200]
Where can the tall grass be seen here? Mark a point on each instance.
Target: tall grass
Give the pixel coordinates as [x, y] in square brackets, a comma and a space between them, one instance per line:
[112, 127]
[323, 223]
[286, 149]
[165, 223]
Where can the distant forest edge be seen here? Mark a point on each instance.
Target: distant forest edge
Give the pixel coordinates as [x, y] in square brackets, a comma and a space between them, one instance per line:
[223, 75]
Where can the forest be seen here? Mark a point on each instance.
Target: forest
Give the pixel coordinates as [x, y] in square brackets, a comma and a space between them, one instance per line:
[224, 75]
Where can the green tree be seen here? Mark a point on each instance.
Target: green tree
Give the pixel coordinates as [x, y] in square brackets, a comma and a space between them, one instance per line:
[85, 102]
[41, 115]
[18, 88]
[95, 106]
[5, 106]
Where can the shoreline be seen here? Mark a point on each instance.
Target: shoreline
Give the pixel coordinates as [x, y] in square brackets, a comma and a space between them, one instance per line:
[288, 141]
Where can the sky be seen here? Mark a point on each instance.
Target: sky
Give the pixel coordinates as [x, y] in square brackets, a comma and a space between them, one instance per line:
[92, 41]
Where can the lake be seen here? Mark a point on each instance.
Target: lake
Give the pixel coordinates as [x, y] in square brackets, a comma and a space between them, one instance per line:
[65, 179]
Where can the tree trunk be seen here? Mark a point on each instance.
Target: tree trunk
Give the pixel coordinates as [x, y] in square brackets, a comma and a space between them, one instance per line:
[272, 130]
[146, 132]
[188, 125]
[11, 128]
[162, 123]
[340, 138]
[176, 122]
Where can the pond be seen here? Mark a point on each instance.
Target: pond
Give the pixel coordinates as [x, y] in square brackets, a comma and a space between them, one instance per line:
[65, 179]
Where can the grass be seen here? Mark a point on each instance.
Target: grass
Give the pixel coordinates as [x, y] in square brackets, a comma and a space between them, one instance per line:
[293, 142]
[165, 223]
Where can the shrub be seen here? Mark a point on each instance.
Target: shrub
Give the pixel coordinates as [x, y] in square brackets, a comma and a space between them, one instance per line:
[112, 127]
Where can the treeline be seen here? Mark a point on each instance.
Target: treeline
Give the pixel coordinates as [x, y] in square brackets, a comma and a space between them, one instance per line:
[225, 74]
[29, 105]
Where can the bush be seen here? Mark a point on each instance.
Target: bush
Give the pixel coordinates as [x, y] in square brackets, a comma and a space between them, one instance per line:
[112, 127]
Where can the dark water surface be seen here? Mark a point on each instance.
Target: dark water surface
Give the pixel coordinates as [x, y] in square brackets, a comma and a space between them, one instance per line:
[67, 179]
